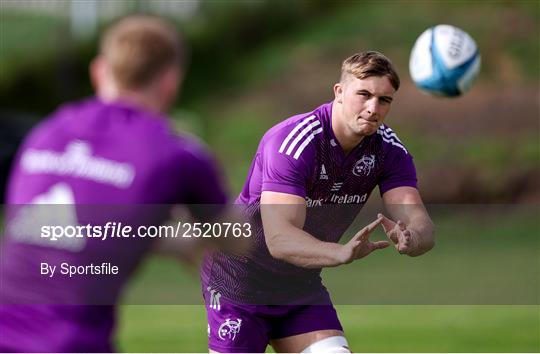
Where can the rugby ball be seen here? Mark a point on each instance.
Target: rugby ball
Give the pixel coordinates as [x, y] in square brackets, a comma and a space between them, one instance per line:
[444, 61]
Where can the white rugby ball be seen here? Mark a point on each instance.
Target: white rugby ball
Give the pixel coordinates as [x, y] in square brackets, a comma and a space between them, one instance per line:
[444, 61]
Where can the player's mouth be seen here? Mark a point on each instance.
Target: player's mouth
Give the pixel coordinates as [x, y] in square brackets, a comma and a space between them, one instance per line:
[368, 120]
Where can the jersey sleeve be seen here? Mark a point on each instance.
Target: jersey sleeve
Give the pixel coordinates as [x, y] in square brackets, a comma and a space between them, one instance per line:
[285, 170]
[398, 169]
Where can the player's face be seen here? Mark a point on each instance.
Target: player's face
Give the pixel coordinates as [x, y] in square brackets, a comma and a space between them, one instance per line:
[364, 103]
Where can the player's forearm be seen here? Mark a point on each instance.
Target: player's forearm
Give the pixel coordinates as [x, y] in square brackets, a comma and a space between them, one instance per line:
[423, 231]
[297, 247]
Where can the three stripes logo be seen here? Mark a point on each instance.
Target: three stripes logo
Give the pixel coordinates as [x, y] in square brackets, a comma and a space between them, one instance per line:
[390, 137]
[214, 299]
[308, 128]
[323, 174]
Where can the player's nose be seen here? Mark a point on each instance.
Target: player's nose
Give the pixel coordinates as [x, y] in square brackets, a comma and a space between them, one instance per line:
[372, 108]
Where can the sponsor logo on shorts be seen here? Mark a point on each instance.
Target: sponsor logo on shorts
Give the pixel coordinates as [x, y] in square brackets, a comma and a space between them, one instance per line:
[229, 329]
[214, 299]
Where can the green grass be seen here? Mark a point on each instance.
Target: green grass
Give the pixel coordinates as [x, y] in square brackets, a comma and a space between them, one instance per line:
[441, 328]
[368, 328]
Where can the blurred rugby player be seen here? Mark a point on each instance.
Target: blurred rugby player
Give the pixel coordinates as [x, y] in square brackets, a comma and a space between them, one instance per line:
[116, 148]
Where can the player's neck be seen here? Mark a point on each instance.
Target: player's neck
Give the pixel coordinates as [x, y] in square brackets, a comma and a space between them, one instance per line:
[141, 99]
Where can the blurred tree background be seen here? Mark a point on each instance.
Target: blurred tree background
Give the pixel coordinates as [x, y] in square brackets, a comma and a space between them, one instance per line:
[255, 63]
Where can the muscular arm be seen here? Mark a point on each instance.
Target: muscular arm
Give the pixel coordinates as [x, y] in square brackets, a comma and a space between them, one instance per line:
[283, 217]
[405, 204]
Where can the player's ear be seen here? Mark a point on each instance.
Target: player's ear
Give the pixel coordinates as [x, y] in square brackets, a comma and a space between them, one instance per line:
[172, 79]
[338, 92]
[97, 72]
[169, 84]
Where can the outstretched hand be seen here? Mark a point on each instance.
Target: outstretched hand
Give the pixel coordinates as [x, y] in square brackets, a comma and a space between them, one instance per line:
[360, 245]
[398, 233]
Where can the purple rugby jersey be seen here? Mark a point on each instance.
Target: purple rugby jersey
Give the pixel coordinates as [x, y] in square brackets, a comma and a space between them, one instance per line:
[107, 161]
[302, 156]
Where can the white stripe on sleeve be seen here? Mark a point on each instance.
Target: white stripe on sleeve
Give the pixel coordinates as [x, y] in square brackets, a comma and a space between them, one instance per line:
[291, 134]
[304, 144]
[301, 135]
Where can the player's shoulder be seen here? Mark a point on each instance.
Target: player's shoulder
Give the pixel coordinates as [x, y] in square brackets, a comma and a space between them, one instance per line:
[190, 149]
[51, 127]
[390, 140]
[92, 115]
[76, 111]
[296, 136]
[149, 130]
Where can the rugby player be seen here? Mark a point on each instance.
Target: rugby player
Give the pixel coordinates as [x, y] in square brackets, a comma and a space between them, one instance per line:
[310, 176]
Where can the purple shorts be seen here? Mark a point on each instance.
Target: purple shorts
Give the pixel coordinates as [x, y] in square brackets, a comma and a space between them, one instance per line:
[239, 328]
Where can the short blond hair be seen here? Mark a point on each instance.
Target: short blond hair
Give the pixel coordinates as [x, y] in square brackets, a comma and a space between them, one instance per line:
[140, 47]
[369, 63]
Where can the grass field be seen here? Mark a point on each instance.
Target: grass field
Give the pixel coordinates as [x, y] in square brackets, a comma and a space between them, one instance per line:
[368, 328]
